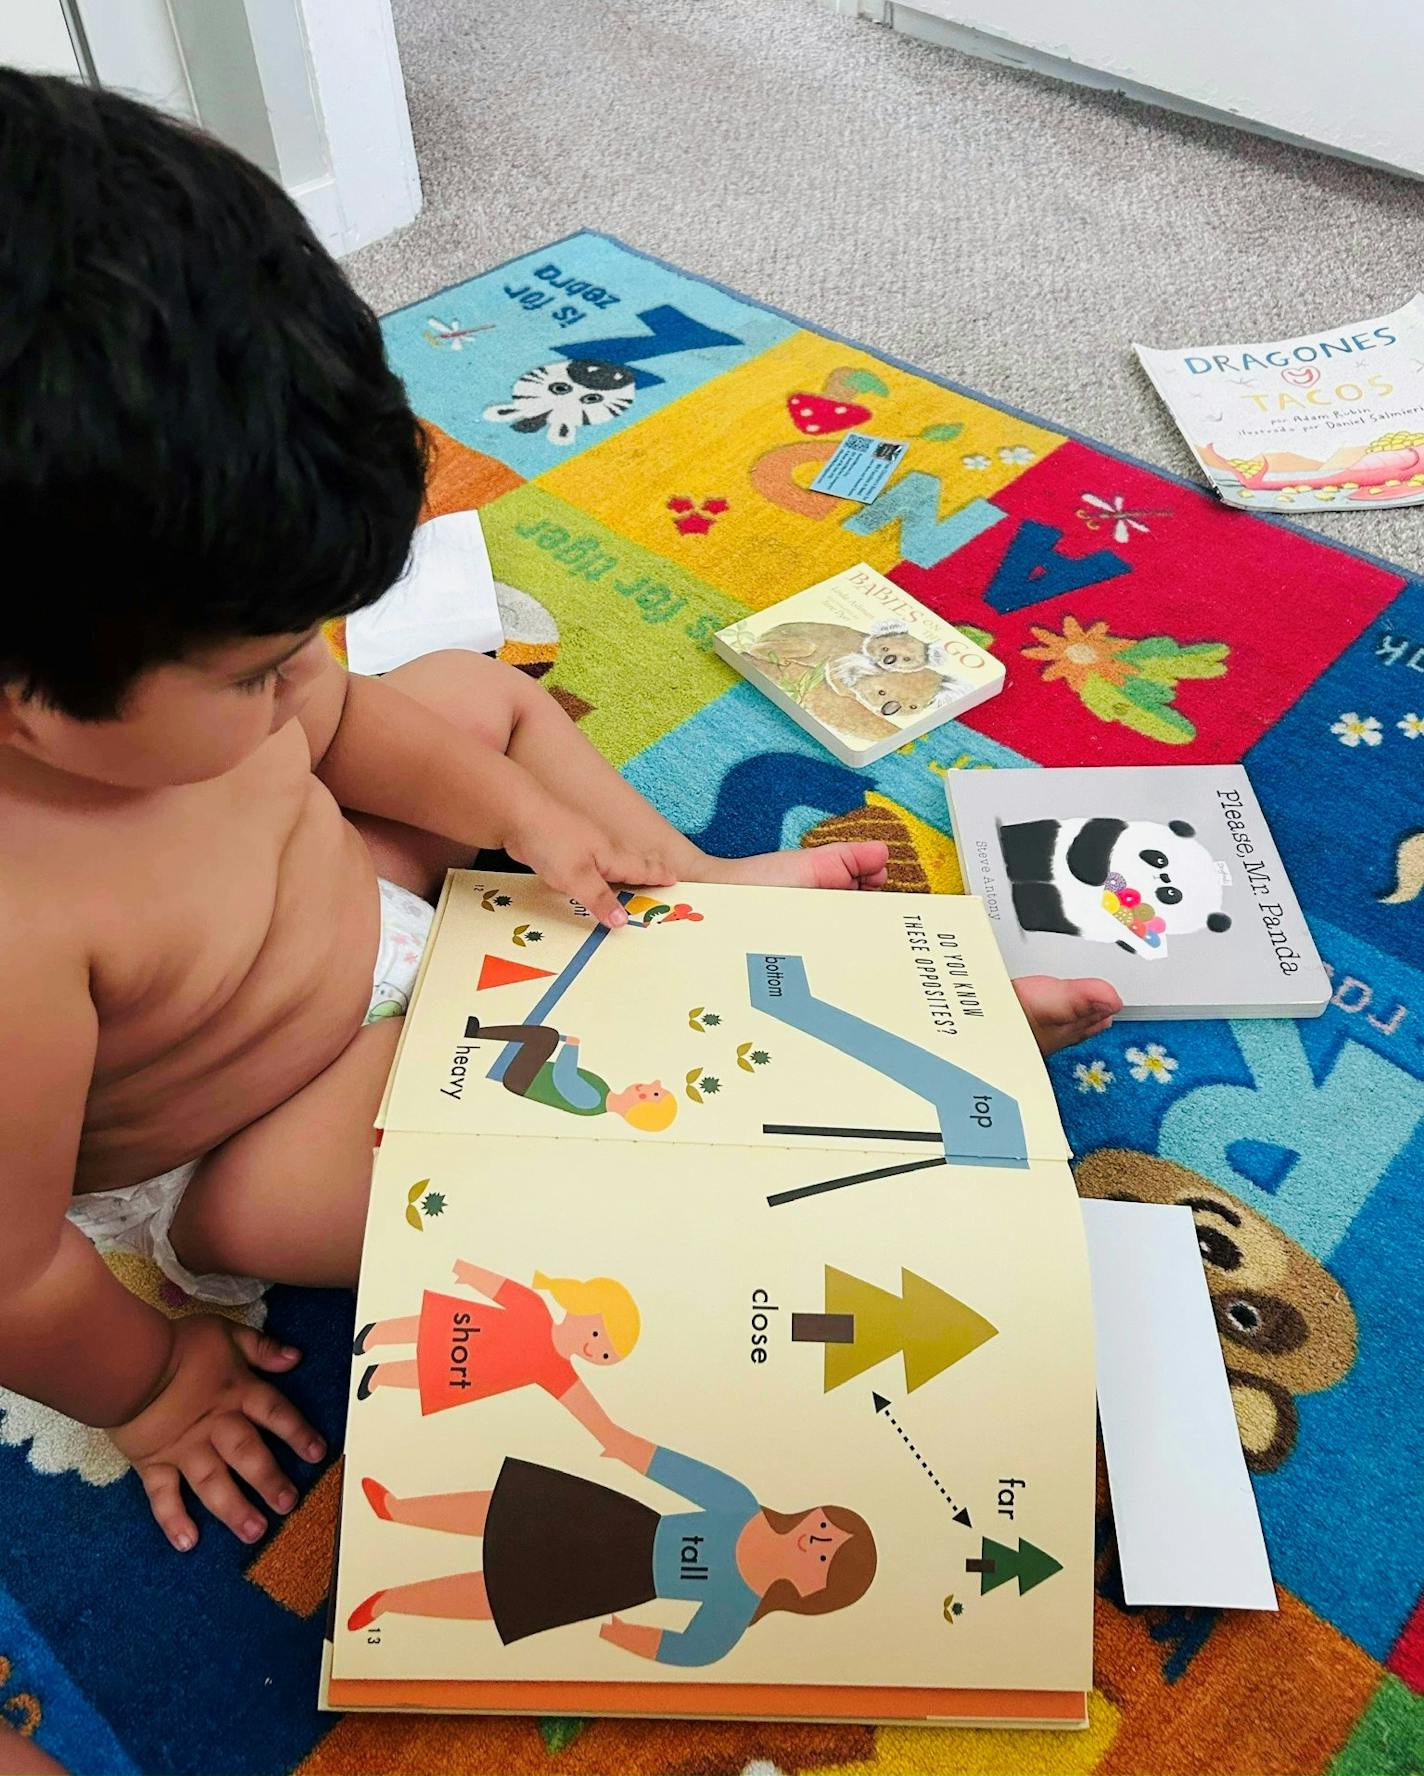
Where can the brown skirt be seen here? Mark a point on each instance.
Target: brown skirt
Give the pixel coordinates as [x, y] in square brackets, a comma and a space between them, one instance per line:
[559, 1549]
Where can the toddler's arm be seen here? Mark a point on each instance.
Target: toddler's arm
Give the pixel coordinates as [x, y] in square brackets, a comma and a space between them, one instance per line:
[181, 1401]
[381, 752]
[70, 1334]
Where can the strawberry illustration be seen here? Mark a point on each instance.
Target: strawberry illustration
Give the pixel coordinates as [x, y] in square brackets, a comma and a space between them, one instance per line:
[817, 416]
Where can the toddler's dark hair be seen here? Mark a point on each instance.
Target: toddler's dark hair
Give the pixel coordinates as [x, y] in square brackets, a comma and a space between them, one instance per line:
[200, 438]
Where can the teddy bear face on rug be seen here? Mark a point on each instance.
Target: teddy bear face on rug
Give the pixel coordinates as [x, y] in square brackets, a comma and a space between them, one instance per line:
[1286, 1325]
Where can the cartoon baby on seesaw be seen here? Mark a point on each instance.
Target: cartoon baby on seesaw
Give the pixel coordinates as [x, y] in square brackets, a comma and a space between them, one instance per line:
[545, 1069]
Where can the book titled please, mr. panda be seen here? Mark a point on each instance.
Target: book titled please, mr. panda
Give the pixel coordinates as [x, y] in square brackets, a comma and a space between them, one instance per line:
[1164, 880]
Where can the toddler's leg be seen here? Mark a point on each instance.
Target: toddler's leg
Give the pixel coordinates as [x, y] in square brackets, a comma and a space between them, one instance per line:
[285, 1198]
[507, 709]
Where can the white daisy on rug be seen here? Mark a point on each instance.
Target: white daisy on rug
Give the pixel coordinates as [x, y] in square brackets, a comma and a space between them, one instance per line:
[1016, 453]
[977, 461]
[1411, 726]
[1351, 729]
[1095, 1076]
[1152, 1062]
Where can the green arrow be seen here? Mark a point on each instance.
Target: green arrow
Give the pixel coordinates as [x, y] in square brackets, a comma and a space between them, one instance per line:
[997, 1564]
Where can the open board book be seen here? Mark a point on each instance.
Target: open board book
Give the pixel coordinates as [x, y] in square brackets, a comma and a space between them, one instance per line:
[724, 1326]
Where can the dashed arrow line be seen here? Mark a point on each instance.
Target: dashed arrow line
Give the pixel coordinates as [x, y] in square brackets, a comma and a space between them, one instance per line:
[882, 1407]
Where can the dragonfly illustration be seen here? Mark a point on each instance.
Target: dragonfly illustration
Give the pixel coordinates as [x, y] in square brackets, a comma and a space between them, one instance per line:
[451, 333]
[1114, 512]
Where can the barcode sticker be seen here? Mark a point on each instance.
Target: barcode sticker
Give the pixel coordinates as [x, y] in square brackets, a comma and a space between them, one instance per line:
[860, 467]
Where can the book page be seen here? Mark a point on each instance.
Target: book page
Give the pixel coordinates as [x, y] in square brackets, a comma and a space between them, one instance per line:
[624, 1413]
[754, 1017]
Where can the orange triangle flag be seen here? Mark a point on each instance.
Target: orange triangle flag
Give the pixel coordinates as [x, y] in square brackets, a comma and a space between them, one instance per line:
[499, 971]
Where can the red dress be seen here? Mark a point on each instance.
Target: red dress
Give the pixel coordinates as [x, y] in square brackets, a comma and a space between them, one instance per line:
[467, 1350]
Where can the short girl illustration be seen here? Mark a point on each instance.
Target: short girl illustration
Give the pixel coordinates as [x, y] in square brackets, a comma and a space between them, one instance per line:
[560, 1549]
[467, 1350]
[545, 1068]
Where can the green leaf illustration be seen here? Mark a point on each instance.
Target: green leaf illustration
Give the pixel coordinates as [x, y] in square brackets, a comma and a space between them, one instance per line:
[1149, 693]
[1169, 726]
[800, 688]
[863, 382]
[1161, 658]
[1204, 662]
[1152, 647]
[980, 637]
[1114, 703]
[941, 434]
[559, 1733]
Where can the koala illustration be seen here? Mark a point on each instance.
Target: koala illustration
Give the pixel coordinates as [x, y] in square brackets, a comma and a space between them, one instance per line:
[794, 648]
[559, 398]
[1130, 882]
[857, 699]
[1286, 1326]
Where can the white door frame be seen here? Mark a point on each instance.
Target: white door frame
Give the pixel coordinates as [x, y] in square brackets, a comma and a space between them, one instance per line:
[309, 89]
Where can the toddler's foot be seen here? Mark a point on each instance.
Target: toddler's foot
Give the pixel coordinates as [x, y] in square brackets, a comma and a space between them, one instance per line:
[1062, 1012]
[859, 865]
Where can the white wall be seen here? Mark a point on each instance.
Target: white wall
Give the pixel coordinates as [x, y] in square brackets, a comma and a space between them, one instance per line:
[135, 50]
[1310, 70]
[34, 36]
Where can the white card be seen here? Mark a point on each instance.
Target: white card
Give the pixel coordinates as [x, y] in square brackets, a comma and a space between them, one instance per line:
[1187, 1527]
[444, 599]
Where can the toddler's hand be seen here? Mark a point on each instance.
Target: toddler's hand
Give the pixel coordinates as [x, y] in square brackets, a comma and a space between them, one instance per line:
[203, 1427]
[576, 858]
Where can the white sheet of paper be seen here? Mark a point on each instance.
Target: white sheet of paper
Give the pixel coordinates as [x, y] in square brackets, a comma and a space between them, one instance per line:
[444, 599]
[1188, 1531]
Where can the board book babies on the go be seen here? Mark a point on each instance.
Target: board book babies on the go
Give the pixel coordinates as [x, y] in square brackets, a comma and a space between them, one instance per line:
[861, 665]
[723, 1335]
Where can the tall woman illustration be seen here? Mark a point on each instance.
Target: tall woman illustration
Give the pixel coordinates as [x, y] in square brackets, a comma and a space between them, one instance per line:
[560, 1549]
[468, 1350]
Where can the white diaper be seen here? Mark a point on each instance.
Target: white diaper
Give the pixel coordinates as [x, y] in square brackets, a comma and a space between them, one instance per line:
[138, 1217]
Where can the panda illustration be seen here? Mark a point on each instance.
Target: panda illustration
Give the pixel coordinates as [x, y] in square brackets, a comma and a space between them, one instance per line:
[1134, 883]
